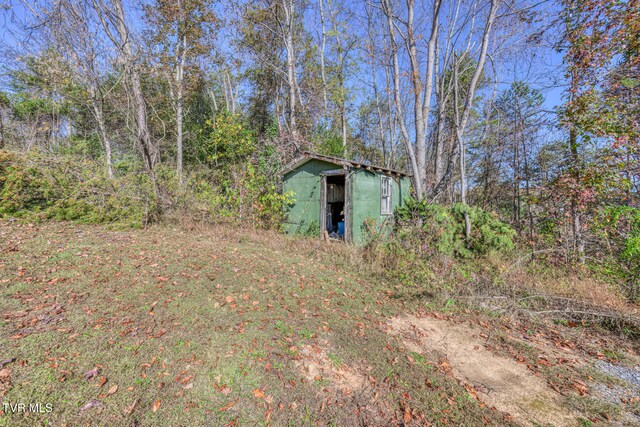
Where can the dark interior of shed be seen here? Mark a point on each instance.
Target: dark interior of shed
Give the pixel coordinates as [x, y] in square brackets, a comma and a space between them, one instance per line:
[335, 206]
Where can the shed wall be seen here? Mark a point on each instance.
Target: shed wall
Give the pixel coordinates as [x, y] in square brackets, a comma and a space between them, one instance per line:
[365, 194]
[303, 217]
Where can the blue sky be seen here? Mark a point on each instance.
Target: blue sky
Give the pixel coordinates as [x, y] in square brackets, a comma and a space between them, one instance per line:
[541, 66]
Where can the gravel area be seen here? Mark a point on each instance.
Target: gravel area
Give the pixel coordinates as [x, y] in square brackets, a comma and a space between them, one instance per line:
[614, 394]
[630, 375]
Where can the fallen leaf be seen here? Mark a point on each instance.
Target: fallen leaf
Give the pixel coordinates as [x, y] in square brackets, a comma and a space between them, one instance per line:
[103, 380]
[112, 390]
[156, 406]
[544, 362]
[258, 393]
[227, 406]
[91, 404]
[407, 416]
[129, 409]
[4, 374]
[7, 361]
[445, 366]
[92, 373]
[581, 387]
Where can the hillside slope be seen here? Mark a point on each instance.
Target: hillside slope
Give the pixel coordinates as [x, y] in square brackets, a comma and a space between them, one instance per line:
[228, 327]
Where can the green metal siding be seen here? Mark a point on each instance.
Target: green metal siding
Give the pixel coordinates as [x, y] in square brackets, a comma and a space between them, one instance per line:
[405, 189]
[303, 217]
[365, 195]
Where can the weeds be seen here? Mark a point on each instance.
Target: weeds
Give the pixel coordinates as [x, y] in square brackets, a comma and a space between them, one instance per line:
[36, 186]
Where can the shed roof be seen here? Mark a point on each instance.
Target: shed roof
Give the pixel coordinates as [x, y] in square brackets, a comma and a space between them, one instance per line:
[308, 155]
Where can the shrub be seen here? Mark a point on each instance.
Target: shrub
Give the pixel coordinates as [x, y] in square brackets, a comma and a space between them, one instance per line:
[36, 187]
[619, 227]
[328, 142]
[441, 229]
[428, 237]
[225, 140]
[244, 193]
[238, 183]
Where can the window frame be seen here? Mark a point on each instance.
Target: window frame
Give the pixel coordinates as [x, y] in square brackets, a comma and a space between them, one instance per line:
[386, 208]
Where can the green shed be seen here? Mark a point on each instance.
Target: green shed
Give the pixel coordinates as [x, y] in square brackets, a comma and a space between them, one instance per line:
[341, 198]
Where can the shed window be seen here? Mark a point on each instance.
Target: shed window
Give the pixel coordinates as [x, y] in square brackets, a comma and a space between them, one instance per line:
[385, 195]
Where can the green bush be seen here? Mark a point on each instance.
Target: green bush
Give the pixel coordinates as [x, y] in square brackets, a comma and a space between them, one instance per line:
[238, 180]
[619, 228]
[34, 186]
[242, 193]
[441, 229]
[328, 142]
[225, 140]
[427, 239]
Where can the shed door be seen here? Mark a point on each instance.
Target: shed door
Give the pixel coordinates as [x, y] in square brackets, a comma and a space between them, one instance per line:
[334, 204]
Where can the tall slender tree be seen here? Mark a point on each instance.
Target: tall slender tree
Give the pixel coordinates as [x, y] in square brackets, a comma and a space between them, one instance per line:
[181, 32]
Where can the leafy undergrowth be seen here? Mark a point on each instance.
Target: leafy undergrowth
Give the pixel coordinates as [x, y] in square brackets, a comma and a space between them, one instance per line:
[165, 326]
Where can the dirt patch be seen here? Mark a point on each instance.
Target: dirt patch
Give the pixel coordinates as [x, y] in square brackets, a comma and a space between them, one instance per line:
[5, 381]
[500, 382]
[319, 365]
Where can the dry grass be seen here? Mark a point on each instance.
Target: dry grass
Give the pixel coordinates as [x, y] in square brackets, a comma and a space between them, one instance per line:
[576, 284]
[212, 325]
[201, 327]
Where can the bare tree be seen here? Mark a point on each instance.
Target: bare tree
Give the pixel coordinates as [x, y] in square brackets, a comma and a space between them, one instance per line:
[287, 31]
[183, 31]
[323, 46]
[114, 23]
[422, 86]
[461, 119]
[372, 56]
[68, 23]
[75, 35]
[388, 10]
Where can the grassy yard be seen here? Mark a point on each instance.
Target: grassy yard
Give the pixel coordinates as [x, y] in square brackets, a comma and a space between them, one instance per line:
[219, 327]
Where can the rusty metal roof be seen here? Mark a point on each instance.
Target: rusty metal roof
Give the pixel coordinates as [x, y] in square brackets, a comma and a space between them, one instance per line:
[348, 164]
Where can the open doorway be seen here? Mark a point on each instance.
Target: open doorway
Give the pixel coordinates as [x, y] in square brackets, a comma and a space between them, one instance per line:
[334, 206]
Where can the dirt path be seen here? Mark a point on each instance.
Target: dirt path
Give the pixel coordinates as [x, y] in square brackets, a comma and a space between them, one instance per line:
[500, 382]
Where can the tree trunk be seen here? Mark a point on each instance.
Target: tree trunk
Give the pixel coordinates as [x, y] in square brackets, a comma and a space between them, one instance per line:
[417, 182]
[461, 149]
[421, 89]
[123, 43]
[461, 125]
[575, 210]
[289, 10]
[2, 143]
[102, 129]
[527, 186]
[322, 66]
[383, 147]
[179, 134]
[179, 102]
